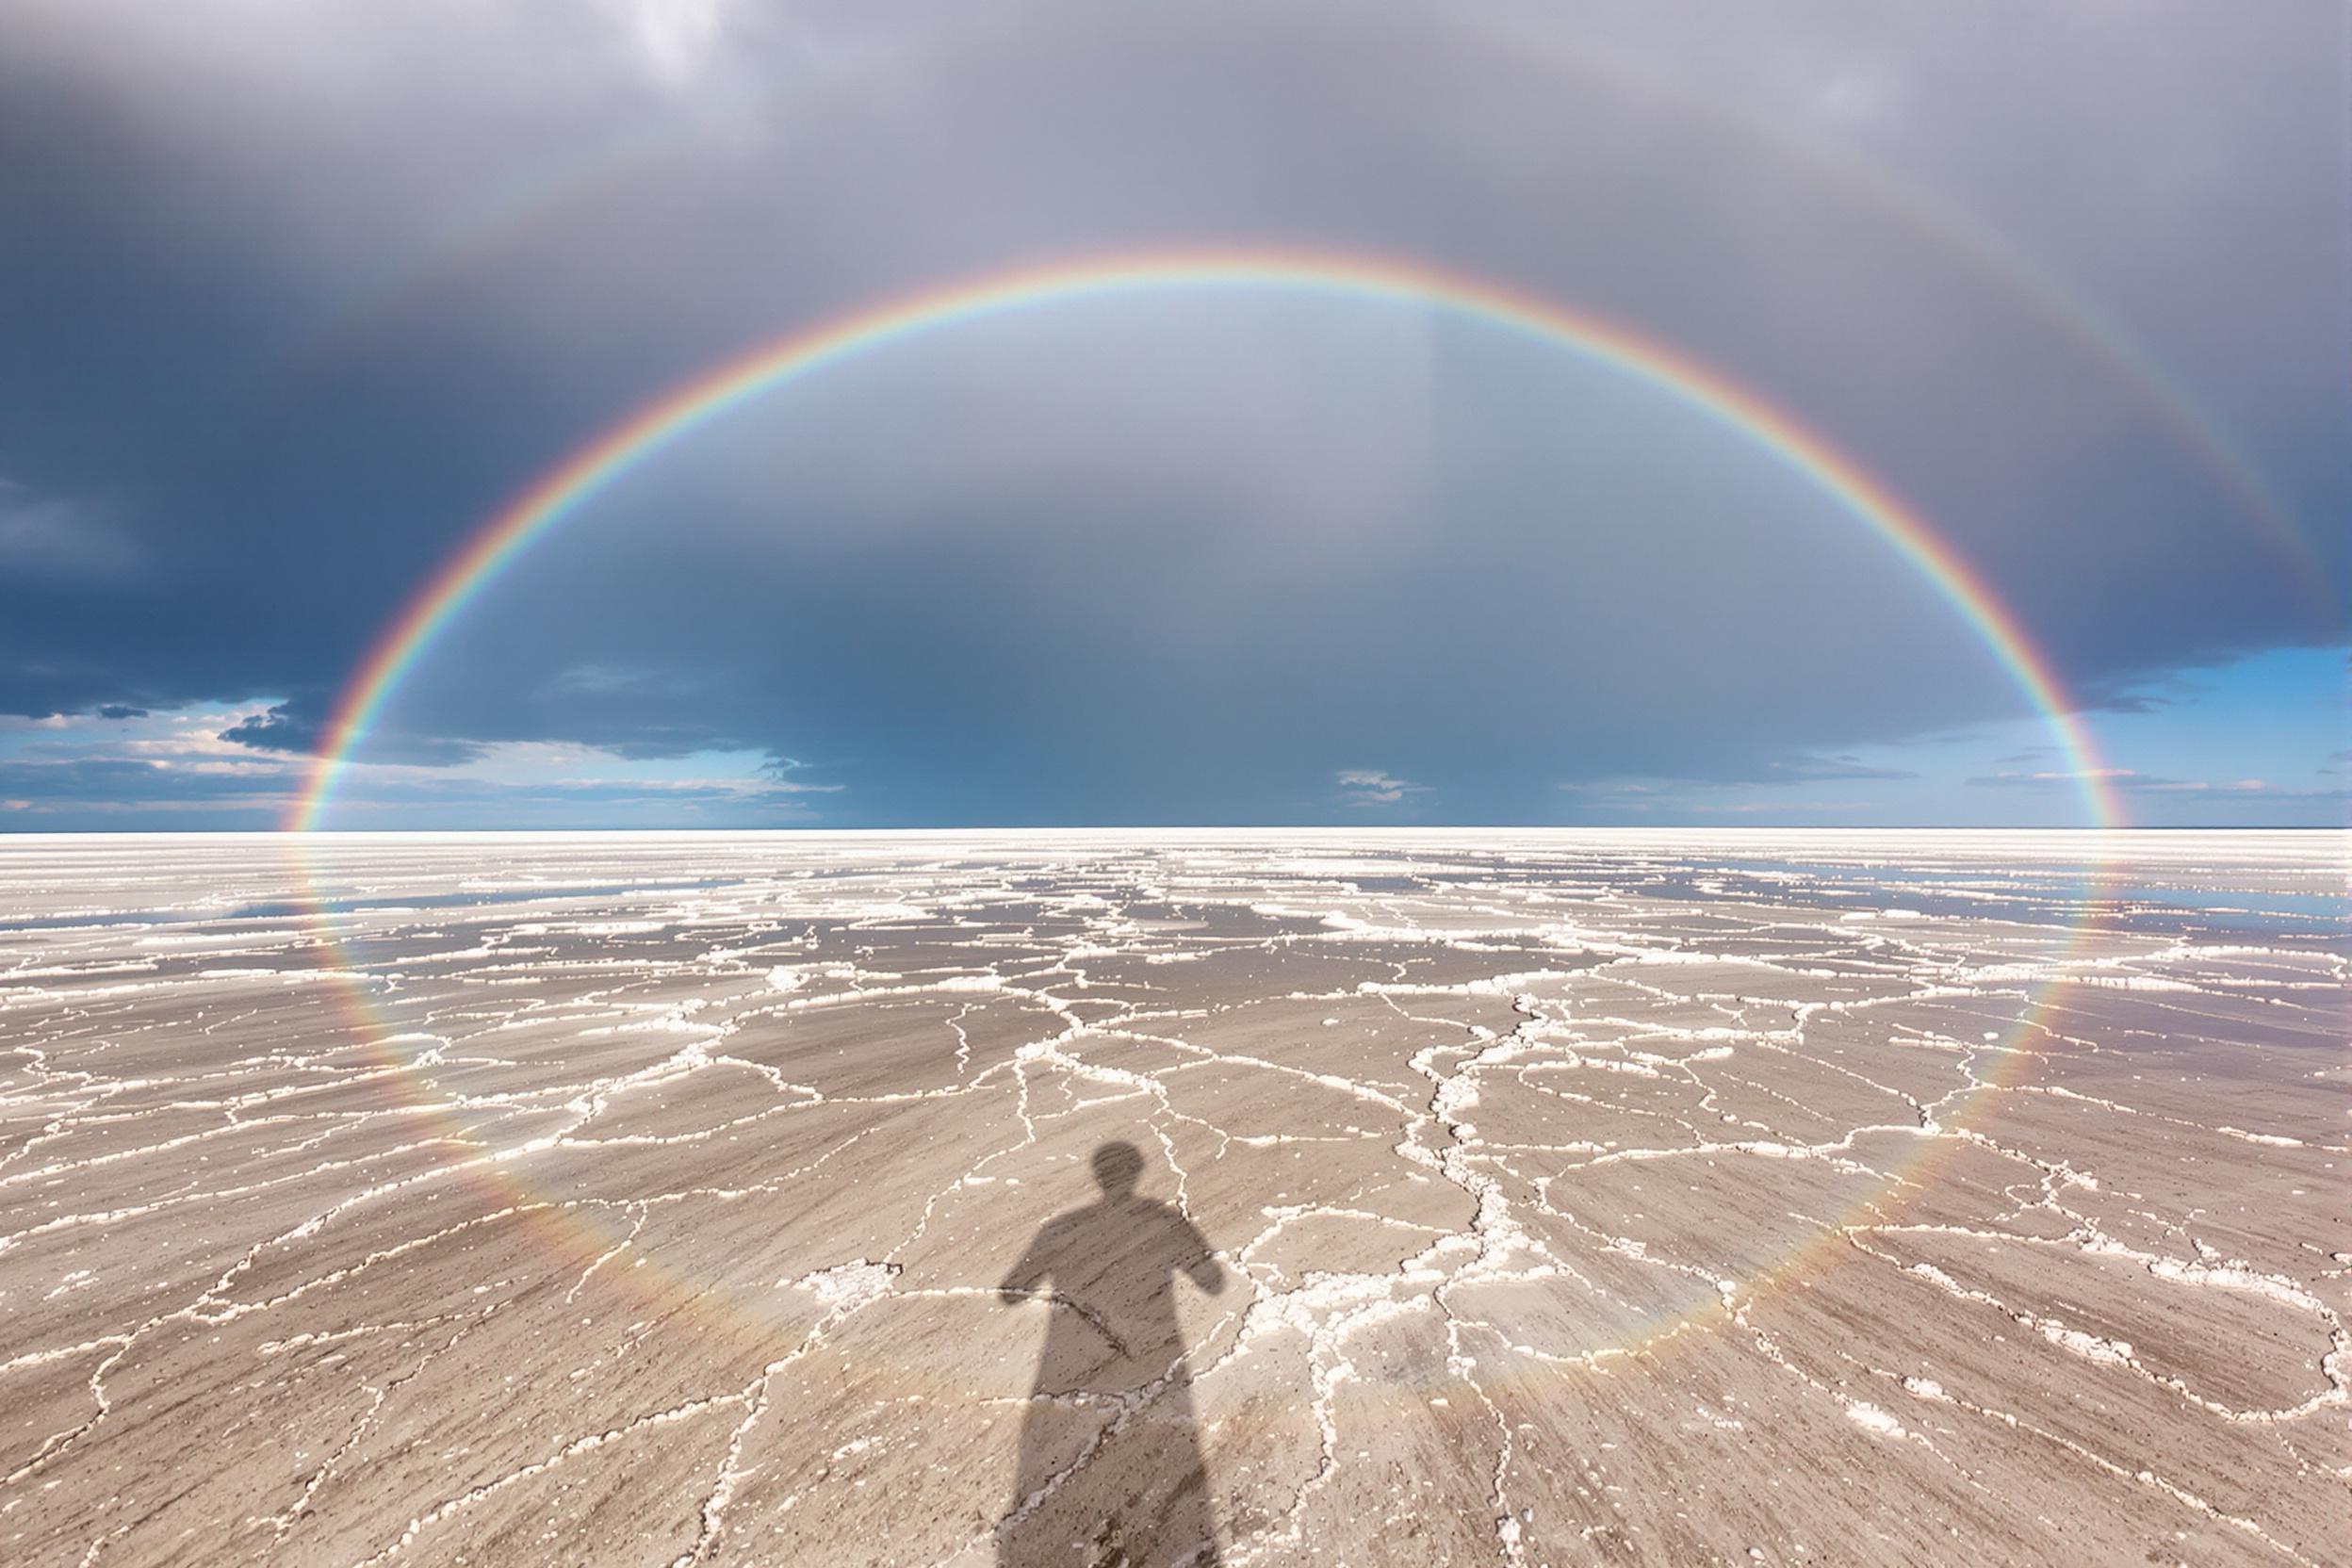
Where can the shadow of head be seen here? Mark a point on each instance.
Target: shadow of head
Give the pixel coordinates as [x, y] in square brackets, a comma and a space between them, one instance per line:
[1117, 1166]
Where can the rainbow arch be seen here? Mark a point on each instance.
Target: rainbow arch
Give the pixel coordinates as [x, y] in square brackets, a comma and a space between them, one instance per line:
[582, 178]
[556, 494]
[584, 1229]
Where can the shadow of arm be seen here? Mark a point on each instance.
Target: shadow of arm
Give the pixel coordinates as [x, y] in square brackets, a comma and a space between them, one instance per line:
[1027, 1279]
[1204, 1271]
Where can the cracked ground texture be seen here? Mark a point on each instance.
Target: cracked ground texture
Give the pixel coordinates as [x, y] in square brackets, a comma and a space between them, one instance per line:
[1568, 1198]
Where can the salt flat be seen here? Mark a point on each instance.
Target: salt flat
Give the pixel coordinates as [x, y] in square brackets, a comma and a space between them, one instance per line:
[1092, 1199]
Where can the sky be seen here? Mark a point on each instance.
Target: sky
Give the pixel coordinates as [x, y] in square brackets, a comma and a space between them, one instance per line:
[298, 296]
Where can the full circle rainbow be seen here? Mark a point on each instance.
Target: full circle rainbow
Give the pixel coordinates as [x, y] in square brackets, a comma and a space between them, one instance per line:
[564, 489]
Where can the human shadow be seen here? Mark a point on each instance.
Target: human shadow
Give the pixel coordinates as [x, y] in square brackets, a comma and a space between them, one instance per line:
[1132, 1493]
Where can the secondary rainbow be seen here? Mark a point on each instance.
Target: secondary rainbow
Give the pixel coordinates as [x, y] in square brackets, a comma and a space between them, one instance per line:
[564, 489]
[586, 175]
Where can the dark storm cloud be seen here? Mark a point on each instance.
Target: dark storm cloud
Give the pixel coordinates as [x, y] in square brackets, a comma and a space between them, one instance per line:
[299, 728]
[303, 292]
[280, 728]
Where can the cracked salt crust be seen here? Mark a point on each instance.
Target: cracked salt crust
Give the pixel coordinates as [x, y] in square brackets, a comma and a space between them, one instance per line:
[642, 1199]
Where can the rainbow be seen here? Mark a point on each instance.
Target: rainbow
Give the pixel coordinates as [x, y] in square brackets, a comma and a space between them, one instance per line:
[585, 1230]
[561, 492]
[586, 174]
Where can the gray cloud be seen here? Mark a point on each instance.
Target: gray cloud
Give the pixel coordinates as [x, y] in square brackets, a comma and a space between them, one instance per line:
[299, 728]
[278, 729]
[435, 246]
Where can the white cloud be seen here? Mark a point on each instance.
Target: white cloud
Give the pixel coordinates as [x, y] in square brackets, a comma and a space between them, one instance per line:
[1374, 786]
[674, 39]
